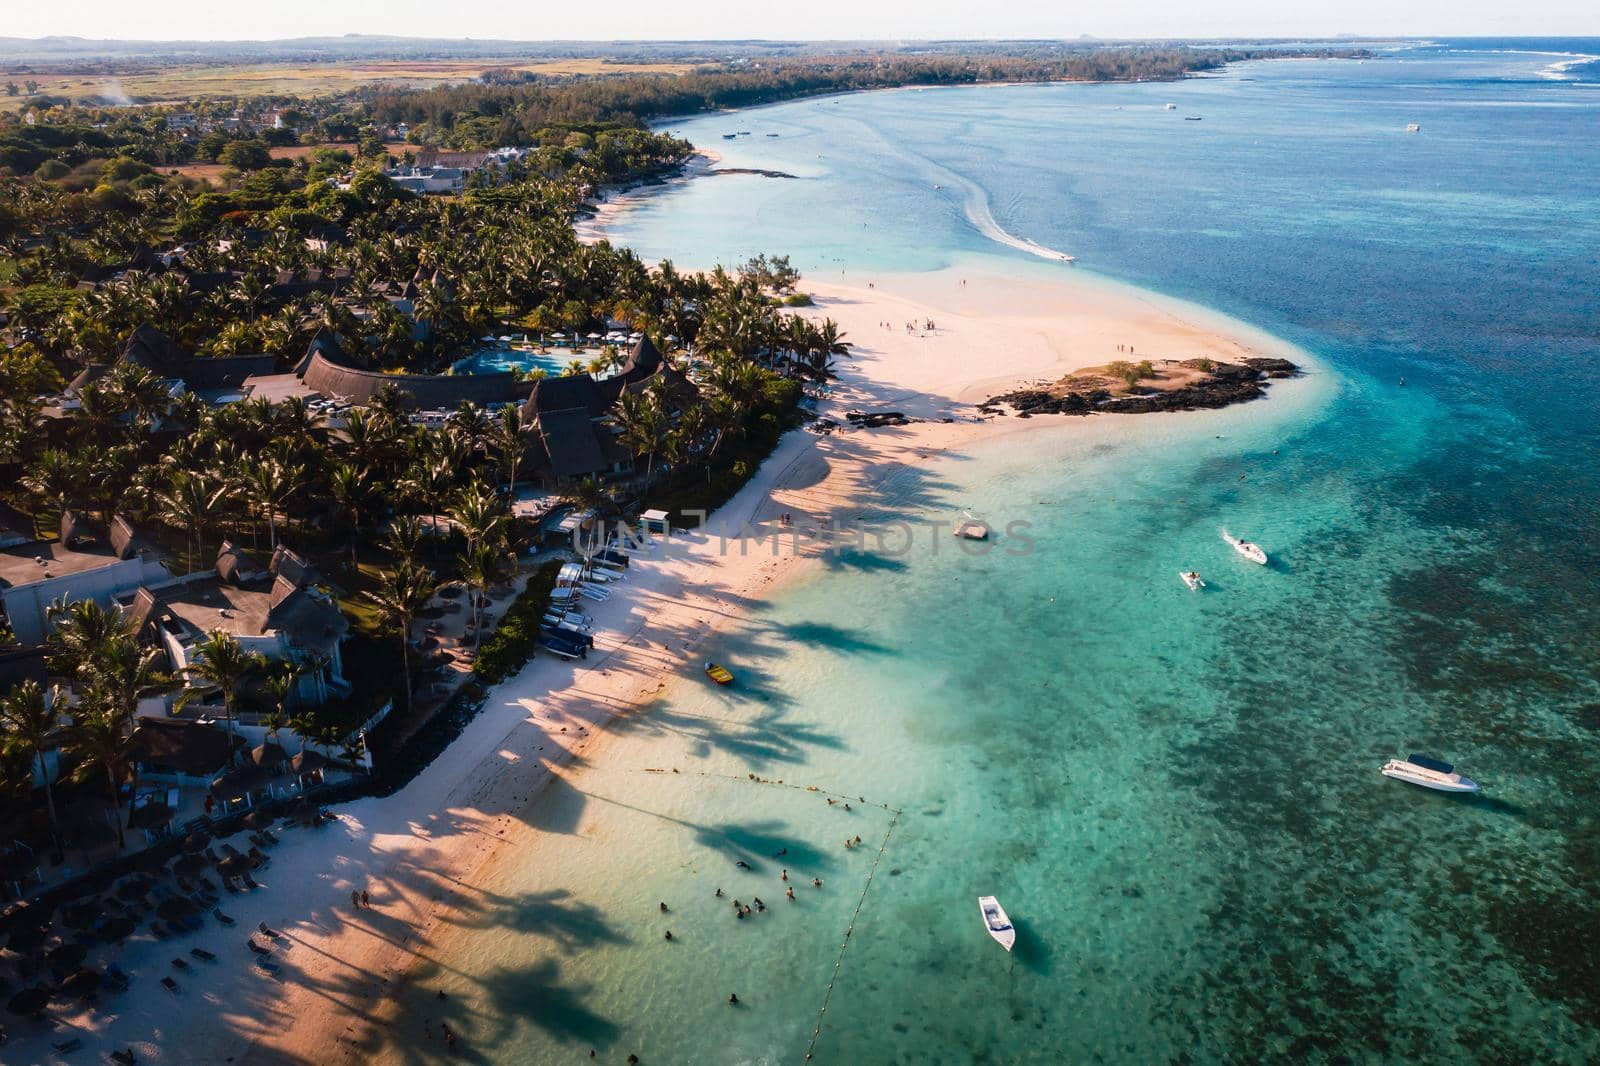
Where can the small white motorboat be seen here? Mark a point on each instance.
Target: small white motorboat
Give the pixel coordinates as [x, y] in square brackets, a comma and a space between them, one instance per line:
[1429, 773]
[1192, 579]
[971, 527]
[1250, 551]
[998, 924]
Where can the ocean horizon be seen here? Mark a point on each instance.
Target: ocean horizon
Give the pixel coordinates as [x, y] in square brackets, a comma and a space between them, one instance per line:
[1175, 795]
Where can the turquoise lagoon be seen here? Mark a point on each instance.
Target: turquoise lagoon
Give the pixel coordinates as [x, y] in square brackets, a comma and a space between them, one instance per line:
[1175, 795]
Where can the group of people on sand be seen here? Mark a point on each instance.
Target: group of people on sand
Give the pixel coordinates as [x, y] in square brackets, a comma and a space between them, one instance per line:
[360, 899]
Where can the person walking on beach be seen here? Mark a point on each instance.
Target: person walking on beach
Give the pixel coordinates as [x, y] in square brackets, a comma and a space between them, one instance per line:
[355, 899]
[366, 901]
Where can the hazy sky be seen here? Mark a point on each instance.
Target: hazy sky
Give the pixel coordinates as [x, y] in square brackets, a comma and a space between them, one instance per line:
[805, 20]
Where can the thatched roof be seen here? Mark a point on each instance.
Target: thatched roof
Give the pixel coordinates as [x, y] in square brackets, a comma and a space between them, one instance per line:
[88, 376]
[290, 564]
[122, 538]
[238, 567]
[572, 442]
[310, 621]
[186, 747]
[155, 351]
[564, 394]
[77, 530]
[269, 754]
[327, 371]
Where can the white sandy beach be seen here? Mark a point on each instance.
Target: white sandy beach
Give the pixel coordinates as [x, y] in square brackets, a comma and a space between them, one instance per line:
[422, 852]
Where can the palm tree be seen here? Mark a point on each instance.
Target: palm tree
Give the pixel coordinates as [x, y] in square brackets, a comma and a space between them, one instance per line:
[220, 662]
[97, 736]
[189, 502]
[29, 718]
[477, 512]
[478, 565]
[124, 672]
[272, 484]
[53, 477]
[644, 427]
[83, 631]
[400, 595]
[404, 537]
[349, 491]
[509, 437]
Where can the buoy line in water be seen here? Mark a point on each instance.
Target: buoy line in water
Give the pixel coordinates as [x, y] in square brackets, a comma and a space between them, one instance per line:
[855, 915]
[851, 928]
[759, 780]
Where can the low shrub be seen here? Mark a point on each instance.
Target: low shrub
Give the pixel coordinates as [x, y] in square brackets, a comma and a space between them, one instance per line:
[517, 636]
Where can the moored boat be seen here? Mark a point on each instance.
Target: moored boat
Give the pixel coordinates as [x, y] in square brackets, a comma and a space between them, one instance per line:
[1250, 551]
[1429, 773]
[1192, 579]
[719, 674]
[997, 922]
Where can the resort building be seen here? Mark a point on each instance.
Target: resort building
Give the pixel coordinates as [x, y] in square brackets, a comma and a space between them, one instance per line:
[572, 413]
[446, 172]
[220, 379]
[271, 609]
[177, 751]
[86, 563]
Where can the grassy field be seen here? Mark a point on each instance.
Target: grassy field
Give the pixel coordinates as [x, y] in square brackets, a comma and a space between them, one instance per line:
[186, 82]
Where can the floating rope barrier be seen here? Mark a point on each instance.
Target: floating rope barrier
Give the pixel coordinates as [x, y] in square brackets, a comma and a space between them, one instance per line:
[851, 928]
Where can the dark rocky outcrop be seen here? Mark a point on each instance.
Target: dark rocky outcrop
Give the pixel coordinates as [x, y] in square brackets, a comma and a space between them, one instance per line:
[757, 171]
[1227, 383]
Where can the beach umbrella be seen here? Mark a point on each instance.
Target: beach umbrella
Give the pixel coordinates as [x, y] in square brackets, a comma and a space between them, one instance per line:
[133, 888]
[189, 865]
[82, 985]
[66, 956]
[24, 913]
[173, 908]
[29, 1001]
[116, 929]
[269, 755]
[82, 914]
[27, 938]
[309, 760]
[234, 866]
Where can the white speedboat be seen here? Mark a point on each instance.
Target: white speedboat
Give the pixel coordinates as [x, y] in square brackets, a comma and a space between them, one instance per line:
[1429, 773]
[994, 918]
[971, 527]
[1192, 579]
[1250, 551]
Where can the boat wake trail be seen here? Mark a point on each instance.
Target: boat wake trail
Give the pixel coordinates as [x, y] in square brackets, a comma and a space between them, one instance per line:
[974, 199]
[975, 205]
